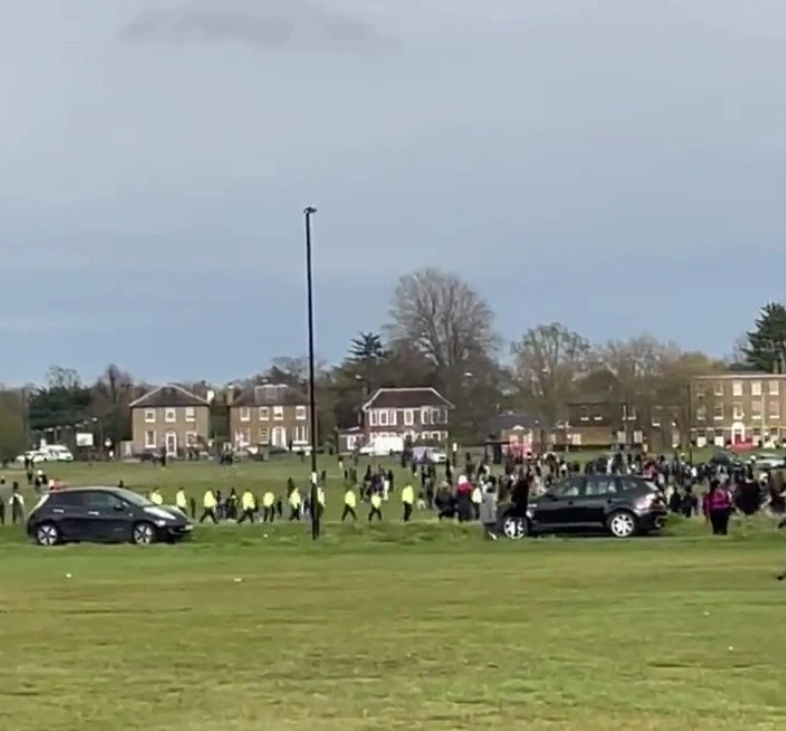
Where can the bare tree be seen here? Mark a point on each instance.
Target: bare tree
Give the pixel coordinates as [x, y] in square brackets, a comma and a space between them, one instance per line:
[547, 361]
[442, 317]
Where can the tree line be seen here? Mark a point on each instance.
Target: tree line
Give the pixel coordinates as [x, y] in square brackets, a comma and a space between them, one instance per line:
[439, 332]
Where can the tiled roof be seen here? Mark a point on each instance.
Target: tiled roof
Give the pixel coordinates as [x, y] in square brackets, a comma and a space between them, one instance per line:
[278, 394]
[169, 396]
[405, 398]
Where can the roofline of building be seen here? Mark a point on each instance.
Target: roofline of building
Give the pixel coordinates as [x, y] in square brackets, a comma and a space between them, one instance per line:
[388, 389]
[188, 393]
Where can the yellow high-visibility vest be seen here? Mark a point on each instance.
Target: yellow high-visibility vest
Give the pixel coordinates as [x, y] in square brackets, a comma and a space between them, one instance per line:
[247, 501]
[180, 499]
[209, 501]
[376, 501]
[294, 498]
[350, 499]
[156, 498]
[408, 495]
[268, 499]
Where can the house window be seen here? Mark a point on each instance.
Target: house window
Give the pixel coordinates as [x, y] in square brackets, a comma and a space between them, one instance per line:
[383, 417]
[243, 437]
[299, 434]
[755, 409]
[392, 417]
[583, 414]
[656, 417]
[150, 439]
[701, 413]
[755, 388]
[717, 388]
[278, 413]
[190, 413]
[700, 390]
[774, 388]
[775, 409]
[737, 413]
[409, 417]
[736, 388]
[425, 416]
[718, 412]
[191, 439]
[372, 418]
[596, 414]
[150, 416]
[245, 413]
[264, 435]
[438, 416]
[300, 413]
[629, 413]
[170, 416]
[264, 413]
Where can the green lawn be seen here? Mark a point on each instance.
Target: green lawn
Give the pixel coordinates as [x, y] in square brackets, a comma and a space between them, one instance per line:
[420, 627]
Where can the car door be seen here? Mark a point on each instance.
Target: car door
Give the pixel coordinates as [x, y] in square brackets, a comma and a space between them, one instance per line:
[600, 496]
[68, 511]
[556, 507]
[110, 517]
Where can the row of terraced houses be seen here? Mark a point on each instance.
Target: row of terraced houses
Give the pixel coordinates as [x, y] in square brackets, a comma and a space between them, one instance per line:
[721, 409]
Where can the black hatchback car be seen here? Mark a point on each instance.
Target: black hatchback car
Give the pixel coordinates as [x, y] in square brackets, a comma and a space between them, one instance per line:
[622, 505]
[104, 515]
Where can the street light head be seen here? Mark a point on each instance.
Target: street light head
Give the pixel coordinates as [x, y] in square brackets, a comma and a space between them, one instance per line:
[309, 210]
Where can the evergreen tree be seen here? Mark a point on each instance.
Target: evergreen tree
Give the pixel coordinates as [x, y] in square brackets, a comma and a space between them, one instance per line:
[766, 348]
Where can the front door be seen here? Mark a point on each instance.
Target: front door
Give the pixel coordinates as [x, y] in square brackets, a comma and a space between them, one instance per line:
[279, 437]
[109, 518]
[171, 444]
[557, 506]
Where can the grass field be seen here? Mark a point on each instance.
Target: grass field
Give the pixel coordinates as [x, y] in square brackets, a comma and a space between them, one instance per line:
[235, 632]
[420, 627]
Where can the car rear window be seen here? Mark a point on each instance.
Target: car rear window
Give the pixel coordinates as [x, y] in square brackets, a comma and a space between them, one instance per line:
[636, 483]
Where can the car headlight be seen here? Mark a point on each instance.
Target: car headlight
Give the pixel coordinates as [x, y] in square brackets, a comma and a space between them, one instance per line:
[161, 523]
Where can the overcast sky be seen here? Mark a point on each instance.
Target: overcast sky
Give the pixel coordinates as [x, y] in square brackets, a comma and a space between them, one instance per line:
[617, 168]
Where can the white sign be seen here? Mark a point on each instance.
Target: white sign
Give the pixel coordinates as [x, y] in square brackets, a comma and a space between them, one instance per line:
[84, 439]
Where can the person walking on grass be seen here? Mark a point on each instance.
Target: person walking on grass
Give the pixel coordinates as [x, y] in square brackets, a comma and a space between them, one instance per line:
[488, 513]
[248, 505]
[408, 501]
[268, 507]
[717, 508]
[350, 503]
[17, 505]
[376, 507]
[209, 507]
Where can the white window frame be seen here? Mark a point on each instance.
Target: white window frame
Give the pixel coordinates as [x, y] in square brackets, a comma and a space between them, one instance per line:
[737, 412]
[409, 417]
[300, 434]
[264, 413]
[584, 414]
[774, 414]
[192, 439]
[170, 416]
[756, 410]
[718, 388]
[245, 413]
[264, 435]
[736, 389]
[190, 414]
[150, 416]
[775, 388]
[382, 417]
[425, 416]
[372, 417]
[392, 417]
[701, 413]
[715, 415]
[300, 413]
[278, 413]
[755, 388]
[436, 416]
[150, 443]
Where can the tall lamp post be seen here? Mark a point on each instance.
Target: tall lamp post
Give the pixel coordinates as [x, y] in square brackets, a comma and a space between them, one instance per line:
[315, 507]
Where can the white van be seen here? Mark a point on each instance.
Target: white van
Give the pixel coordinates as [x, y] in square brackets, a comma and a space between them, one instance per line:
[383, 446]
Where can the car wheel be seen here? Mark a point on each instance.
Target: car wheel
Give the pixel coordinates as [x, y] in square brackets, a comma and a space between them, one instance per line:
[47, 534]
[622, 524]
[514, 528]
[143, 534]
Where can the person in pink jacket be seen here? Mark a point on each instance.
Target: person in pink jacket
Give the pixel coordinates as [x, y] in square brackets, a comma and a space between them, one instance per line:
[717, 506]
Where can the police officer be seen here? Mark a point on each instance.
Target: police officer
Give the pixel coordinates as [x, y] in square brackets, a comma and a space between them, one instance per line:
[350, 503]
[376, 507]
[268, 510]
[180, 501]
[408, 501]
[247, 506]
[155, 497]
[295, 503]
[208, 507]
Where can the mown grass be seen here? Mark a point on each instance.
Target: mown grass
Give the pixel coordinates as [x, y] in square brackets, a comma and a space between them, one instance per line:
[420, 627]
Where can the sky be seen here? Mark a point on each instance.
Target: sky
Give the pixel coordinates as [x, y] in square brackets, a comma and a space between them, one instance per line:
[615, 167]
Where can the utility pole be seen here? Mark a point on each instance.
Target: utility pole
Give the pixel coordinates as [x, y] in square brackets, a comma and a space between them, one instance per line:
[315, 506]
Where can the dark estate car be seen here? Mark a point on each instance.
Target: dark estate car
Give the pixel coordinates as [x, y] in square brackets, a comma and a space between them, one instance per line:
[623, 505]
[104, 515]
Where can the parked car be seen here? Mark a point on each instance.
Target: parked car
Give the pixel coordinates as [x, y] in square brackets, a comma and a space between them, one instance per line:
[768, 460]
[48, 453]
[104, 515]
[622, 505]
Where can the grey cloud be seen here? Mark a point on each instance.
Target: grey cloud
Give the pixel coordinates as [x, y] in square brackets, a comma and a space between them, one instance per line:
[292, 25]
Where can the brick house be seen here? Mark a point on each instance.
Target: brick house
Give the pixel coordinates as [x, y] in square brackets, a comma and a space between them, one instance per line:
[738, 408]
[169, 418]
[599, 421]
[422, 414]
[272, 414]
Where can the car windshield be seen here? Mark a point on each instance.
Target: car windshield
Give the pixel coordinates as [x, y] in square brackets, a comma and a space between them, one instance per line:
[133, 497]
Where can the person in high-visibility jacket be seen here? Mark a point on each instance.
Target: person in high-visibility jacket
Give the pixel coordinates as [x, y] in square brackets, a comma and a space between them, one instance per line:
[320, 502]
[155, 497]
[477, 499]
[350, 503]
[408, 501]
[181, 502]
[268, 507]
[247, 506]
[376, 507]
[208, 507]
[295, 503]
